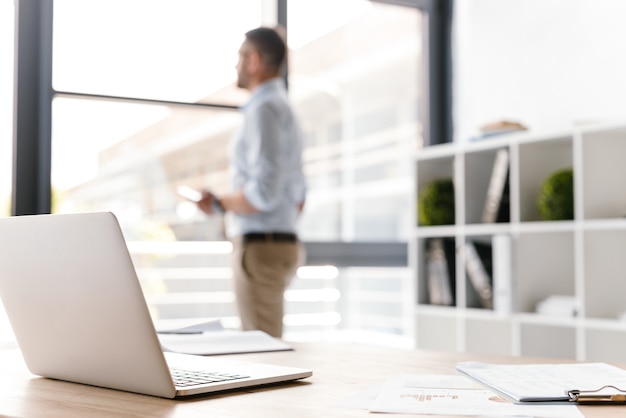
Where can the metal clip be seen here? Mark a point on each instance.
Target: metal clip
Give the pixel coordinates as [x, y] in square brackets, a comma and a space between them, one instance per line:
[595, 397]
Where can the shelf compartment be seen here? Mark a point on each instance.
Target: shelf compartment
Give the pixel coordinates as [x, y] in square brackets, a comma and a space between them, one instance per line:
[473, 268]
[478, 167]
[544, 267]
[537, 161]
[604, 174]
[548, 341]
[429, 170]
[431, 273]
[489, 335]
[437, 329]
[605, 273]
[605, 345]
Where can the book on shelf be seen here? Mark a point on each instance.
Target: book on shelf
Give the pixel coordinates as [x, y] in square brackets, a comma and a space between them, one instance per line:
[504, 212]
[438, 274]
[496, 208]
[478, 273]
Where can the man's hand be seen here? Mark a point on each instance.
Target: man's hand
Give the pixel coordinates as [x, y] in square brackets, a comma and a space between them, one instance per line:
[235, 202]
[205, 204]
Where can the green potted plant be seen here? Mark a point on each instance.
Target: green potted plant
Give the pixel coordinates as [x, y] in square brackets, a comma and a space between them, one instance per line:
[435, 204]
[556, 196]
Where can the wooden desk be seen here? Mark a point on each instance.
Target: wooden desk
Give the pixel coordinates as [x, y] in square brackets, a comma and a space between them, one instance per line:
[339, 371]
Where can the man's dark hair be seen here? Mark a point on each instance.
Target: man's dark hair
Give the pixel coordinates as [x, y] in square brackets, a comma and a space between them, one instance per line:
[270, 45]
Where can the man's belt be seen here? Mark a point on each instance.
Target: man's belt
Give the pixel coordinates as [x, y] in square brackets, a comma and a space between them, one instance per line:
[269, 237]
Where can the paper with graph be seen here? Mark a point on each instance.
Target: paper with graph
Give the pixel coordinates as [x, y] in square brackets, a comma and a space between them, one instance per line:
[455, 395]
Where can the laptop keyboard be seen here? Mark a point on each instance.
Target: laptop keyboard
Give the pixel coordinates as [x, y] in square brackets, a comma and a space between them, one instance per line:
[183, 378]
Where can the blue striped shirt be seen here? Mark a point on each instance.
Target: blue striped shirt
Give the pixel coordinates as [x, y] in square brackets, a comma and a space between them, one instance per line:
[266, 163]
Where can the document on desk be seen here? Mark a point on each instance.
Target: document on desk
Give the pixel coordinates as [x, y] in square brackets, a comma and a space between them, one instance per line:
[455, 395]
[543, 382]
[211, 338]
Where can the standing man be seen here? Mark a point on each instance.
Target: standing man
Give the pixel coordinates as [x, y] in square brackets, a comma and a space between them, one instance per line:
[268, 187]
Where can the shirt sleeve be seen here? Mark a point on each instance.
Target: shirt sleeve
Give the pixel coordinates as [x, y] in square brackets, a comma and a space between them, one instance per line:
[264, 158]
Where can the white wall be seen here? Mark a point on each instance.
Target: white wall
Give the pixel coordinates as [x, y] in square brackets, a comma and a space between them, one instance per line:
[548, 64]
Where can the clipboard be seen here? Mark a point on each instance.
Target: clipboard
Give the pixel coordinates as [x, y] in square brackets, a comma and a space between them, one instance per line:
[606, 395]
[551, 383]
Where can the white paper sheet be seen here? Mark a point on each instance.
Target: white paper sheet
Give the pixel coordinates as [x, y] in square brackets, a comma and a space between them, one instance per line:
[211, 338]
[222, 342]
[456, 395]
[190, 327]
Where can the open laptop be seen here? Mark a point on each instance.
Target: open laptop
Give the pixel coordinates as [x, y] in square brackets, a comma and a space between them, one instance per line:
[72, 296]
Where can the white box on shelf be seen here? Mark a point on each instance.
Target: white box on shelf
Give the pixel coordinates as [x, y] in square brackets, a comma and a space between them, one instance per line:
[558, 305]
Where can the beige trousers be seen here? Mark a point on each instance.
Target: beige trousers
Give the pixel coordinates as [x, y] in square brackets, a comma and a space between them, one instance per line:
[262, 272]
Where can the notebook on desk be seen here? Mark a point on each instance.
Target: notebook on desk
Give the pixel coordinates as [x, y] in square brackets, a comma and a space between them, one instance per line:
[72, 296]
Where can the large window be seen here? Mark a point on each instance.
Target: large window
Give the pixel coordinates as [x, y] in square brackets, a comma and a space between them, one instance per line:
[132, 159]
[355, 78]
[134, 155]
[182, 51]
[144, 102]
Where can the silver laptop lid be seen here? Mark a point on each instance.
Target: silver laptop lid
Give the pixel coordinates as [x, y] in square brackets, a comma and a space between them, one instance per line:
[70, 290]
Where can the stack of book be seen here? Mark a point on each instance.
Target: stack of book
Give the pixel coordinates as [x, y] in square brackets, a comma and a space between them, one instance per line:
[501, 127]
[489, 270]
[440, 271]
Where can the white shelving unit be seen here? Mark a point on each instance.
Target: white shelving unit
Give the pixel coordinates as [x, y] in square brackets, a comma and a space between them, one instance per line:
[584, 258]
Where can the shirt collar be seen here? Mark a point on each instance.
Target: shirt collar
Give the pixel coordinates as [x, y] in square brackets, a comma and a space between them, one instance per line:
[268, 85]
